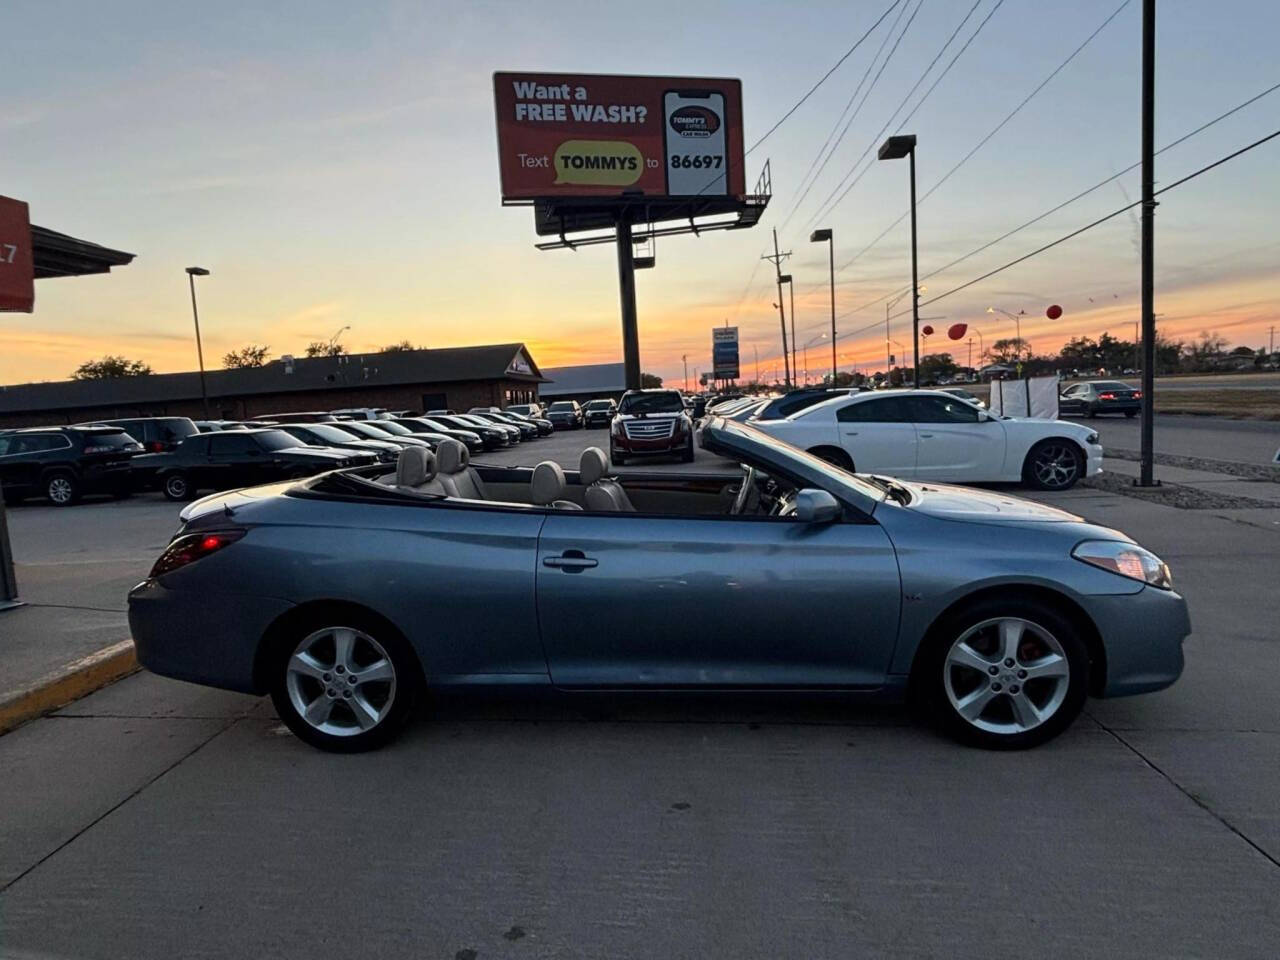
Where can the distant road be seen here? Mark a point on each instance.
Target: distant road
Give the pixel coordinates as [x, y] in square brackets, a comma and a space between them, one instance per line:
[1249, 441]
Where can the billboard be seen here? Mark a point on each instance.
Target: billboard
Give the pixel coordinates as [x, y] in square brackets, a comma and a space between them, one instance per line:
[589, 135]
[724, 353]
[17, 269]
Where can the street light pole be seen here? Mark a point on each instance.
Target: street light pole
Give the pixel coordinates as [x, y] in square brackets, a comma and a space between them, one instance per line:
[895, 148]
[818, 236]
[192, 273]
[685, 358]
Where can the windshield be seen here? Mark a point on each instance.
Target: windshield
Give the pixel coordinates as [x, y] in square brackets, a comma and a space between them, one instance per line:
[333, 434]
[561, 406]
[364, 430]
[393, 428]
[599, 404]
[783, 455]
[665, 402]
[276, 440]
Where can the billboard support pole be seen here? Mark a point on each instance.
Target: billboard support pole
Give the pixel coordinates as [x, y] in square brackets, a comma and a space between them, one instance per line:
[627, 295]
[1147, 441]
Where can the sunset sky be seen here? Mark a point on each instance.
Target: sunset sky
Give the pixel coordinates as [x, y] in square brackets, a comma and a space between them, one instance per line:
[334, 164]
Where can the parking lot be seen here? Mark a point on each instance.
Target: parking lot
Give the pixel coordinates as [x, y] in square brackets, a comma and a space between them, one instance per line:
[173, 820]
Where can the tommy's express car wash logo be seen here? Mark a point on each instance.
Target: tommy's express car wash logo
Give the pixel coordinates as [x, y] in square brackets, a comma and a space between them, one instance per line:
[694, 122]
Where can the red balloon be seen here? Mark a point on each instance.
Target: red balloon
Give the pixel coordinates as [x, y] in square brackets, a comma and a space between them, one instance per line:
[927, 330]
[957, 330]
[1054, 312]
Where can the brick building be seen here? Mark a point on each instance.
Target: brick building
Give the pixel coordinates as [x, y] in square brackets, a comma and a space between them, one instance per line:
[458, 378]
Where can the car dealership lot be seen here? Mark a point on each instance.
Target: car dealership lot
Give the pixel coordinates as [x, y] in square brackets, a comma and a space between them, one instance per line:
[175, 820]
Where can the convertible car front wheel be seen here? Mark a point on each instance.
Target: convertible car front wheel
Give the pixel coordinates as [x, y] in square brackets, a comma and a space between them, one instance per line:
[343, 684]
[1004, 674]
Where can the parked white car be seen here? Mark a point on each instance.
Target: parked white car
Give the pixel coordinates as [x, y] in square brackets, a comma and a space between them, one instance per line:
[932, 435]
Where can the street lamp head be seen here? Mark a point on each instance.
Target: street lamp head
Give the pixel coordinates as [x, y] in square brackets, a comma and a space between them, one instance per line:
[991, 309]
[197, 271]
[819, 236]
[895, 148]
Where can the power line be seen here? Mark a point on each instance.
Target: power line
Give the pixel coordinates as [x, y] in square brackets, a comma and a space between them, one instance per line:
[836, 66]
[1063, 239]
[996, 129]
[892, 50]
[829, 207]
[854, 96]
[1115, 213]
[1052, 210]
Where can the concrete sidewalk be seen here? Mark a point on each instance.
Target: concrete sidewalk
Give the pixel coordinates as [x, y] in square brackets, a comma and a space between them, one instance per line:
[50, 656]
[1205, 481]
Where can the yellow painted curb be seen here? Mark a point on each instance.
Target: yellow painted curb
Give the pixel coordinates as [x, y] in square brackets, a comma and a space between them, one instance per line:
[73, 681]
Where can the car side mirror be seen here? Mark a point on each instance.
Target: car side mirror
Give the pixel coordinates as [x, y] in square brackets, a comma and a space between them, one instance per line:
[816, 506]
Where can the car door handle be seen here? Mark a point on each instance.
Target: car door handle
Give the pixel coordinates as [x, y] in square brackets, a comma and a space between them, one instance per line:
[571, 561]
[851, 433]
[926, 436]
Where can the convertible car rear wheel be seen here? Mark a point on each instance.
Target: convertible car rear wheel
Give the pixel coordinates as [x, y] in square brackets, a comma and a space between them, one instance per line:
[1005, 674]
[345, 685]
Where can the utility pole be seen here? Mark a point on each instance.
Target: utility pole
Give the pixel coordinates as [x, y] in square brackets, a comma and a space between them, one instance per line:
[1272, 348]
[970, 363]
[627, 297]
[1146, 469]
[791, 289]
[777, 259]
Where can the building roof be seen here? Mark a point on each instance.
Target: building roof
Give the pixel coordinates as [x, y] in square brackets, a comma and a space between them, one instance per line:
[58, 255]
[584, 378]
[500, 361]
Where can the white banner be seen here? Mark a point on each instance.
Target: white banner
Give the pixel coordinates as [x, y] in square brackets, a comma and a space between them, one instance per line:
[1036, 397]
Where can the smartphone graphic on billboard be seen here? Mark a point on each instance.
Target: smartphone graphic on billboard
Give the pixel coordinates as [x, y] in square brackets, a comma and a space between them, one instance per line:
[693, 130]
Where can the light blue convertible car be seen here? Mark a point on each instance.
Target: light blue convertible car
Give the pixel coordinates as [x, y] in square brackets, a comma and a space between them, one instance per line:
[350, 595]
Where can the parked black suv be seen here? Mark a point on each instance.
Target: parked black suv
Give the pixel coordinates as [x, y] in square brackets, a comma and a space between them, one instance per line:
[237, 458]
[156, 434]
[599, 413]
[62, 463]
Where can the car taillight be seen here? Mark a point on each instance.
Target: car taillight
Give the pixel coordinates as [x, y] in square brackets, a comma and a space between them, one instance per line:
[192, 547]
[155, 446]
[102, 449]
[1137, 394]
[1106, 396]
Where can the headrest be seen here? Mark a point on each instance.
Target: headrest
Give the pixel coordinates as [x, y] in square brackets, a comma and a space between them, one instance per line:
[452, 456]
[593, 466]
[415, 466]
[547, 484]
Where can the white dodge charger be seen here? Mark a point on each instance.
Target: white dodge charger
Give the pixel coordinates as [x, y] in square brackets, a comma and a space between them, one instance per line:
[932, 435]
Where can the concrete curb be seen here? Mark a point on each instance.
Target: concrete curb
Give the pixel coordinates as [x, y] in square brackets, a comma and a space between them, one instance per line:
[71, 682]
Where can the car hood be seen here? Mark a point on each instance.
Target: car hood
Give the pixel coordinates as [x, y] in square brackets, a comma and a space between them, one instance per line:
[660, 415]
[948, 502]
[316, 452]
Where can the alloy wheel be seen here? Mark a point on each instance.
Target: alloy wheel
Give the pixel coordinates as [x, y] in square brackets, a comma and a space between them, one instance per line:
[1006, 675]
[340, 681]
[61, 490]
[176, 487]
[1056, 466]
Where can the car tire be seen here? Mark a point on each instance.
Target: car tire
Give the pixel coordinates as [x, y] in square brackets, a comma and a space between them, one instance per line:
[12, 499]
[177, 486]
[62, 488]
[835, 456]
[617, 459]
[1092, 412]
[1054, 464]
[307, 669]
[999, 710]
[1130, 414]
[687, 456]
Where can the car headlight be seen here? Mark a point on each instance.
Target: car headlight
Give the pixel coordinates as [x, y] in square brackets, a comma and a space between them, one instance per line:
[1091, 439]
[1126, 559]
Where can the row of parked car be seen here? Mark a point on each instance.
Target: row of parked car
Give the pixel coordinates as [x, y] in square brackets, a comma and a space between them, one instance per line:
[182, 457]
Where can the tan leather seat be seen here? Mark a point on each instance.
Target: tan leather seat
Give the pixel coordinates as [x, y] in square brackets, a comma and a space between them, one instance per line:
[546, 489]
[603, 493]
[460, 479]
[416, 471]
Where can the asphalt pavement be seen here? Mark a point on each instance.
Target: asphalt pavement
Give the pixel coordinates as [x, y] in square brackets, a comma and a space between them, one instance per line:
[160, 819]
[1246, 441]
